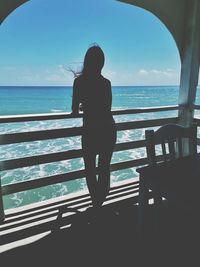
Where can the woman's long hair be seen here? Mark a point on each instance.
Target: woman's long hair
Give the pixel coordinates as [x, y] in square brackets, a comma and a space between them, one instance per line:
[93, 61]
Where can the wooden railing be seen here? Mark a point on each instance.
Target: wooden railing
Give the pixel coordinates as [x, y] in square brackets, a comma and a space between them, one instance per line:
[12, 138]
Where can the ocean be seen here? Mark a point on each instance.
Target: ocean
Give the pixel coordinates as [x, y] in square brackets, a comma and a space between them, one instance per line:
[36, 100]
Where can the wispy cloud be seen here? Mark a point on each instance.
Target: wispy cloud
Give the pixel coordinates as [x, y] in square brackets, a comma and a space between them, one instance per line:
[167, 72]
[143, 72]
[158, 76]
[59, 76]
[56, 75]
[144, 77]
[28, 78]
[108, 73]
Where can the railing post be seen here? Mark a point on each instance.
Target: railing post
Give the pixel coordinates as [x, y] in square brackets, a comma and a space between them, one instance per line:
[190, 61]
[2, 214]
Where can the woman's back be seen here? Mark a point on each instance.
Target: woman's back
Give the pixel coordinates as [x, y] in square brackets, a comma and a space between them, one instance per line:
[96, 97]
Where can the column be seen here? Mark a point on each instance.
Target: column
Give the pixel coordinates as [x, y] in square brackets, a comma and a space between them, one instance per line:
[190, 59]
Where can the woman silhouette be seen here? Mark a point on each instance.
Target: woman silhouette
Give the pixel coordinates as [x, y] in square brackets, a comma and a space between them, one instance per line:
[92, 94]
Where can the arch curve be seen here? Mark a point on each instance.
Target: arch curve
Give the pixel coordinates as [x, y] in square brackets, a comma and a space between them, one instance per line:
[7, 6]
[171, 13]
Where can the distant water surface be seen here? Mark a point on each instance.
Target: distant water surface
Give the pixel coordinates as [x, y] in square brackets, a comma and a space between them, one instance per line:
[27, 100]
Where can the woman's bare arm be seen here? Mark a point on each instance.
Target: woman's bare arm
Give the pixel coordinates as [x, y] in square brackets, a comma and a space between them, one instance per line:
[75, 98]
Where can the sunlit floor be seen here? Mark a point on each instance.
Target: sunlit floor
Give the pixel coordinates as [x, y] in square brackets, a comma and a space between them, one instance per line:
[110, 238]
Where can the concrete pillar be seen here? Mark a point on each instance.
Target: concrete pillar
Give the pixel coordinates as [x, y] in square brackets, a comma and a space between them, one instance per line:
[189, 63]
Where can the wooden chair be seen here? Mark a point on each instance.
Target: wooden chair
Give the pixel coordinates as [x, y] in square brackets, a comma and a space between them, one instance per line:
[178, 184]
[175, 141]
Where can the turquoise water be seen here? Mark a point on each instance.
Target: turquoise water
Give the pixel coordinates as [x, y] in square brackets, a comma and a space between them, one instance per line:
[29, 100]
[26, 100]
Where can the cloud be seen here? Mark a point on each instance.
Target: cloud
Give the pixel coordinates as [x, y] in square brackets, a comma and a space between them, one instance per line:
[59, 76]
[143, 72]
[163, 72]
[63, 70]
[52, 76]
[110, 74]
[168, 72]
[158, 76]
[30, 78]
[142, 77]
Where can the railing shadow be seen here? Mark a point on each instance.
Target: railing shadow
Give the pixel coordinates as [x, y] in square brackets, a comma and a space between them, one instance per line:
[57, 214]
[109, 237]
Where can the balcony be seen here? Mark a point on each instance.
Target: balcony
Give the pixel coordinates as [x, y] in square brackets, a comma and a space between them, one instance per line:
[34, 221]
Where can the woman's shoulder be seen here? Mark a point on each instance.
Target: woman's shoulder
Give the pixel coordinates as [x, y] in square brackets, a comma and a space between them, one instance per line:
[81, 80]
[106, 81]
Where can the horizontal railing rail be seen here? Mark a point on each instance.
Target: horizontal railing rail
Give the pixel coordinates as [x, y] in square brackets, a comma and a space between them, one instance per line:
[75, 131]
[65, 115]
[197, 107]
[59, 156]
[35, 182]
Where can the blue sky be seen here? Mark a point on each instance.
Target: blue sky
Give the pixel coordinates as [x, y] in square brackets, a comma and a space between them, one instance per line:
[42, 38]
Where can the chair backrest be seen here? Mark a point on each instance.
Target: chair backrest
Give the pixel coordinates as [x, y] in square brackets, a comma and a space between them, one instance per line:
[173, 139]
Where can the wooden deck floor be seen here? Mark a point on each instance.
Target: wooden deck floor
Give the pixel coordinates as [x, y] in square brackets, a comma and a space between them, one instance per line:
[108, 237]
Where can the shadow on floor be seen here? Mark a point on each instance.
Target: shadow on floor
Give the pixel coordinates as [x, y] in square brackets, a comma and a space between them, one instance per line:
[110, 238]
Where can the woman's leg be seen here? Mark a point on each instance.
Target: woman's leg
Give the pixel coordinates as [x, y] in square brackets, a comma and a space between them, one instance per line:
[104, 160]
[89, 157]
[91, 179]
[104, 175]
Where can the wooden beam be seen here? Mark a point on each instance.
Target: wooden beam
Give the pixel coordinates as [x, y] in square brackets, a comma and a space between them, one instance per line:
[64, 177]
[76, 131]
[65, 115]
[2, 214]
[60, 156]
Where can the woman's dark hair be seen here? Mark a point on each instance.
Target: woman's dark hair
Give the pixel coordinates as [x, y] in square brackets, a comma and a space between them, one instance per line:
[93, 61]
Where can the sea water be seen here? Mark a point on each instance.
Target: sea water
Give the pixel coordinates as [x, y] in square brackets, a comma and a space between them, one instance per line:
[37, 100]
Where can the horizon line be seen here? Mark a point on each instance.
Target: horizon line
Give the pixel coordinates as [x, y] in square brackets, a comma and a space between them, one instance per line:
[161, 85]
